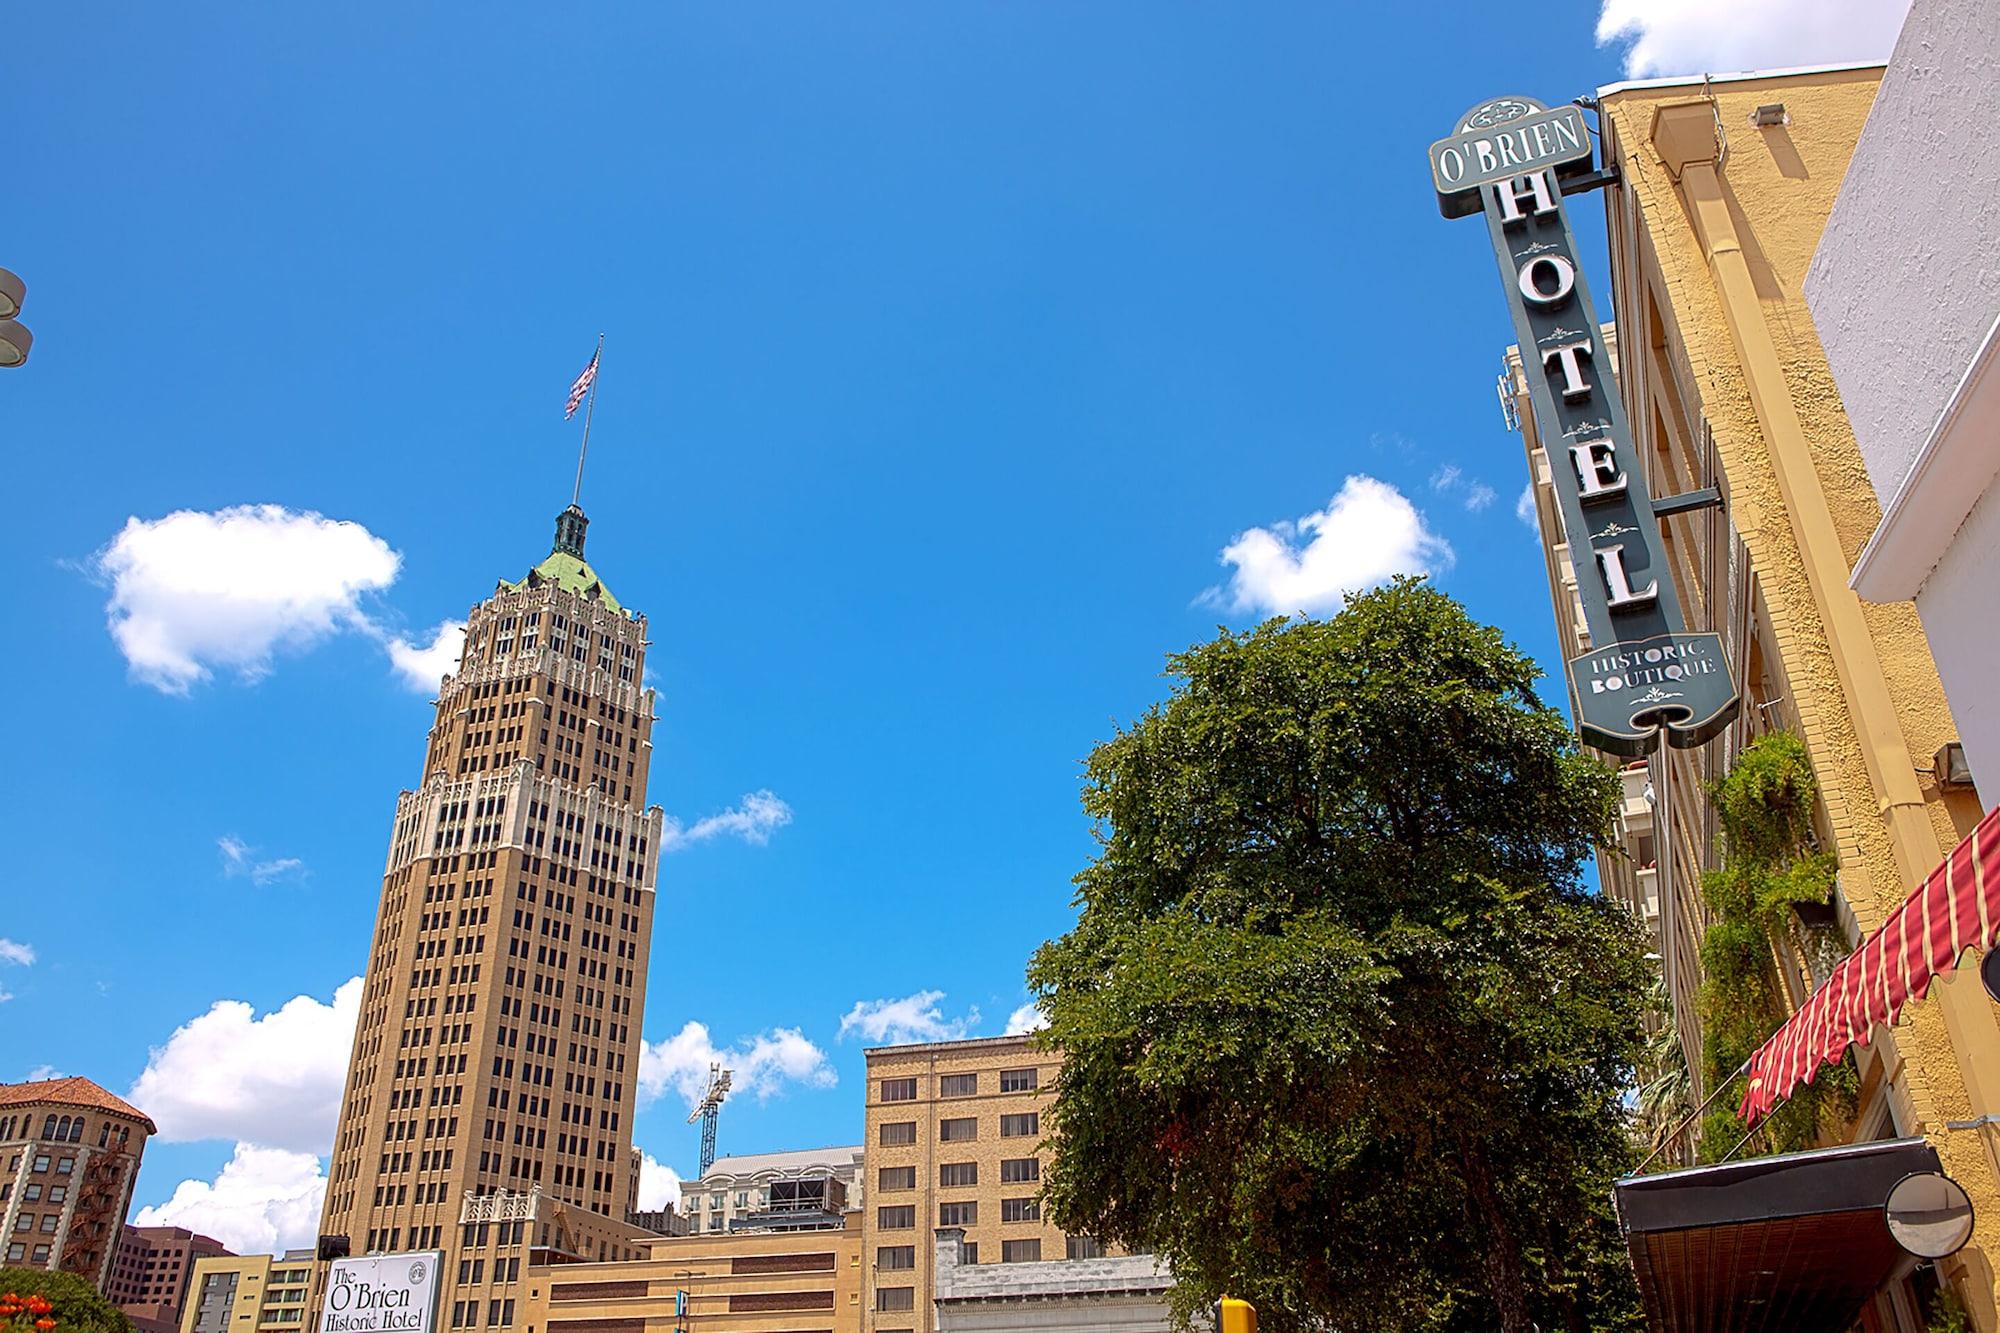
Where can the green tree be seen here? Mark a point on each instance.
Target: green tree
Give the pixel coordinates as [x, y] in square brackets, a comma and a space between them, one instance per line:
[1343, 1033]
[78, 1306]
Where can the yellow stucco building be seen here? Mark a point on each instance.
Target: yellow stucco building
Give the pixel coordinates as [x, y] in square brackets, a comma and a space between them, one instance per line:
[1723, 188]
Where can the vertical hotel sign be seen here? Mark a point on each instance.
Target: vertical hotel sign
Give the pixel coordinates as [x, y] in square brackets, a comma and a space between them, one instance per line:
[1645, 675]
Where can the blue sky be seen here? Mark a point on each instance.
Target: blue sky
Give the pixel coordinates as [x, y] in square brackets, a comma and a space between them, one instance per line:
[948, 349]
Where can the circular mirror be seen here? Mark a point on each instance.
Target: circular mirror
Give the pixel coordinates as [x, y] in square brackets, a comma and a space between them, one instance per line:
[1989, 972]
[1929, 1215]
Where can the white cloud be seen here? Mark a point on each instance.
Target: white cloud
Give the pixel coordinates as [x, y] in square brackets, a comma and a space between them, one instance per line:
[240, 859]
[659, 1184]
[1677, 37]
[912, 1018]
[761, 1066]
[1473, 494]
[754, 819]
[421, 667]
[1368, 534]
[40, 1072]
[195, 592]
[264, 1201]
[1524, 506]
[19, 955]
[1026, 1019]
[269, 1079]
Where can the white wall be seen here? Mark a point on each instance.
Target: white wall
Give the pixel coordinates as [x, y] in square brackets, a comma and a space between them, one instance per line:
[1906, 280]
[1904, 289]
[1960, 608]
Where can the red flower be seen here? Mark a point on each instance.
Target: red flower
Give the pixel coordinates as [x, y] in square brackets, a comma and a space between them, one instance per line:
[45, 1324]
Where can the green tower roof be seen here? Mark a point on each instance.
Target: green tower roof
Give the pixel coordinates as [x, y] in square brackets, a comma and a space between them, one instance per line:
[565, 566]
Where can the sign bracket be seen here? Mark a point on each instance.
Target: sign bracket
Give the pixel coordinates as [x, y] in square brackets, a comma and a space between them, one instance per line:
[1708, 497]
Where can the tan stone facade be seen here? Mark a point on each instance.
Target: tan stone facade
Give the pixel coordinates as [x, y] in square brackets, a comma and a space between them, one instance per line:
[749, 1282]
[253, 1293]
[953, 1139]
[1712, 227]
[489, 1100]
[71, 1153]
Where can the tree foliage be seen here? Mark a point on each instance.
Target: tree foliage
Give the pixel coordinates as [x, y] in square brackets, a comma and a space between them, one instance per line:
[1769, 866]
[78, 1307]
[1343, 1033]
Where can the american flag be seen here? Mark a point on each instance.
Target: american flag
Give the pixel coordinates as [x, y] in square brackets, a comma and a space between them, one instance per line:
[582, 385]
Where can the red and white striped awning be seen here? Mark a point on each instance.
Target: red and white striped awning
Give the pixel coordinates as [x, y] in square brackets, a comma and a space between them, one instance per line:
[1958, 908]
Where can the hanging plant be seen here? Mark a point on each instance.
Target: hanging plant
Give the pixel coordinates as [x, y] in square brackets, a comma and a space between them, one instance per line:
[1771, 867]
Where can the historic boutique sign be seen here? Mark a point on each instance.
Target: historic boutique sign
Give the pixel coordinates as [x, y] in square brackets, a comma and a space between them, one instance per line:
[382, 1293]
[1645, 673]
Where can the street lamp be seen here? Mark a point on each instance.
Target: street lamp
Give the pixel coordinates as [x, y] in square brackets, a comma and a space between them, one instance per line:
[15, 340]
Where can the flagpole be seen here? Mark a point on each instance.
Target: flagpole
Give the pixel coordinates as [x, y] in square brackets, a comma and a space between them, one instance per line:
[576, 492]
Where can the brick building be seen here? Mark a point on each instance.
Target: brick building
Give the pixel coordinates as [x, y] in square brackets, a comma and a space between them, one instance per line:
[71, 1152]
[149, 1278]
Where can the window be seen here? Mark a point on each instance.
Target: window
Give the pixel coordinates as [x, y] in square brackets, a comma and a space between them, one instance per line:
[958, 1214]
[968, 1252]
[1020, 1251]
[901, 1217]
[1082, 1247]
[1020, 1210]
[1020, 1170]
[1019, 1080]
[898, 1133]
[893, 1258]
[41, 1254]
[895, 1298]
[958, 1131]
[952, 1175]
[50, 1221]
[1025, 1125]
[898, 1178]
[958, 1085]
[65, 1165]
[899, 1089]
[41, 1163]
[16, 1251]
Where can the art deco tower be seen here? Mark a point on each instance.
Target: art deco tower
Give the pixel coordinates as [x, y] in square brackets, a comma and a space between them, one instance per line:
[489, 1098]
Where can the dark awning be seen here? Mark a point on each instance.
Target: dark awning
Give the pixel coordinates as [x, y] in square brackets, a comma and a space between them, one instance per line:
[1796, 1241]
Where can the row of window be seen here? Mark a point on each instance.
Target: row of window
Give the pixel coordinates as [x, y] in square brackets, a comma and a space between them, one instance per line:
[903, 1258]
[903, 1216]
[32, 1192]
[958, 1175]
[902, 1133]
[64, 1165]
[960, 1085]
[17, 1251]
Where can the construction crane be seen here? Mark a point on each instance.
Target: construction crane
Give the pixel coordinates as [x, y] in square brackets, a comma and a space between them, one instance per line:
[711, 1105]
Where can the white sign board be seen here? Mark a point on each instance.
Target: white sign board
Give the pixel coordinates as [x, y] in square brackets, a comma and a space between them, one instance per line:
[382, 1293]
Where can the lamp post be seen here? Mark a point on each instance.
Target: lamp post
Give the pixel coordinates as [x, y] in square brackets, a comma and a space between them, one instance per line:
[15, 340]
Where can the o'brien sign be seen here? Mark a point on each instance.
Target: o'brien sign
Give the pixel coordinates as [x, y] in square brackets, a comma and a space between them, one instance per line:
[1646, 674]
[1500, 140]
[382, 1293]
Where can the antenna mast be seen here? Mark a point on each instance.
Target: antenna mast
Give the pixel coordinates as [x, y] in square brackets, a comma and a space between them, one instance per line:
[707, 1110]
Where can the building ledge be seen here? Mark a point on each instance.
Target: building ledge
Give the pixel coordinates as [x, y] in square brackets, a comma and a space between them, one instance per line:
[1952, 471]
